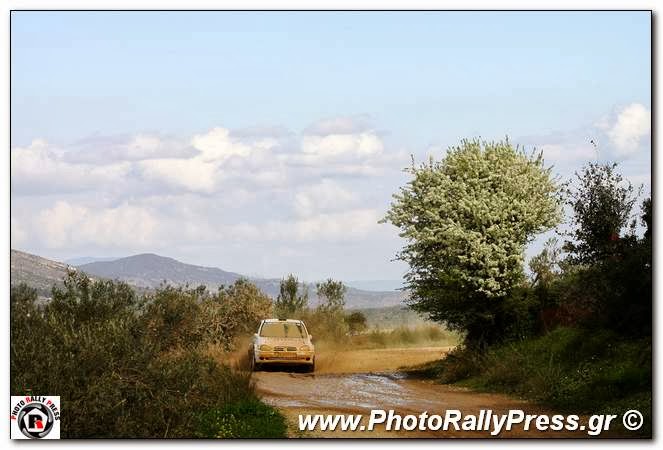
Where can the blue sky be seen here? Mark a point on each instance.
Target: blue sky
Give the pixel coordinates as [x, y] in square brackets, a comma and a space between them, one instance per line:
[323, 108]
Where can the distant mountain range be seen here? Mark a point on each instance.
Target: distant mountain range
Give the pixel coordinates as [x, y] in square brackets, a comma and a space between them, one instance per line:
[376, 285]
[148, 271]
[86, 260]
[38, 272]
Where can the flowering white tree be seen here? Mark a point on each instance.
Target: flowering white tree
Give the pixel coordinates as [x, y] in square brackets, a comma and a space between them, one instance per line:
[467, 219]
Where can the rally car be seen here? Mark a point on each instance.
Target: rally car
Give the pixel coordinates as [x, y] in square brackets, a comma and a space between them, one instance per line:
[282, 341]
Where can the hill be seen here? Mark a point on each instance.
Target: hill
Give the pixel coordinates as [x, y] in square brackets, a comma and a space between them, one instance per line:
[148, 271]
[38, 272]
[86, 260]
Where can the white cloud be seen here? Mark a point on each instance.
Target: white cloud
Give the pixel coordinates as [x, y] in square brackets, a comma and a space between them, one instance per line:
[631, 125]
[220, 158]
[325, 196]
[615, 136]
[18, 234]
[216, 145]
[193, 174]
[200, 173]
[334, 146]
[71, 225]
[347, 225]
[207, 163]
[148, 192]
[146, 146]
[557, 153]
[101, 150]
[339, 125]
[339, 226]
[41, 167]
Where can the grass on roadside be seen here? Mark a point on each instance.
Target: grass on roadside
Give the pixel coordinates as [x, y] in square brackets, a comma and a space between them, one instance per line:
[572, 370]
[420, 336]
[249, 418]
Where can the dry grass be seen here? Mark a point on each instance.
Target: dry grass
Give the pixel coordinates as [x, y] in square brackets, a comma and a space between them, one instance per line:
[406, 337]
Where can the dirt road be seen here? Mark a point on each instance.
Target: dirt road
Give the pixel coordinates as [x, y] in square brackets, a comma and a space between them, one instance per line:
[354, 382]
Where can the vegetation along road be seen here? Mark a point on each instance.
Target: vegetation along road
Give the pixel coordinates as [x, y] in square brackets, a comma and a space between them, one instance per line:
[356, 381]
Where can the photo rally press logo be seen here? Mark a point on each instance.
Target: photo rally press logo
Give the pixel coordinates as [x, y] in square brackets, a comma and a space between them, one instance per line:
[35, 417]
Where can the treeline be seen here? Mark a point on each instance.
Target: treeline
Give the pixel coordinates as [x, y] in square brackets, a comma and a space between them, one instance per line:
[331, 324]
[329, 321]
[129, 366]
[576, 330]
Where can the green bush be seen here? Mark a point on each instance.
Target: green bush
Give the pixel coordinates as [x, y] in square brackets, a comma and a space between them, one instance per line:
[248, 418]
[356, 322]
[328, 326]
[459, 364]
[126, 366]
[580, 371]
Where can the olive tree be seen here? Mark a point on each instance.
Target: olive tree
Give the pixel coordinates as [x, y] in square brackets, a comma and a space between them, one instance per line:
[467, 219]
[290, 300]
[331, 294]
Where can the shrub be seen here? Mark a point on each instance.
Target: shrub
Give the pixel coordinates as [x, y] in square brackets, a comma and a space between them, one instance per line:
[356, 322]
[128, 367]
[459, 364]
[573, 370]
[580, 371]
[328, 326]
[248, 418]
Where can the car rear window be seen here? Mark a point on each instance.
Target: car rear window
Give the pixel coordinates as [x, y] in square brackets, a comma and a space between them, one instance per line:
[282, 330]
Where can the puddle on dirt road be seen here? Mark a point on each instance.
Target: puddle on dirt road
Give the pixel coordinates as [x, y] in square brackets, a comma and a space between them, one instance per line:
[358, 393]
[341, 392]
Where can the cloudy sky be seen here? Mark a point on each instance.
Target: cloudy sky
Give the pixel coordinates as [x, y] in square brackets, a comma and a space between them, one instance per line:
[268, 143]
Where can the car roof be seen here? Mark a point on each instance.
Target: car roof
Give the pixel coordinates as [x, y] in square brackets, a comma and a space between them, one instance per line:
[282, 320]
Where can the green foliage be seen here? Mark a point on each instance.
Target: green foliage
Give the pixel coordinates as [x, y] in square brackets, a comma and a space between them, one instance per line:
[184, 317]
[647, 217]
[356, 322]
[467, 219]
[234, 311]
[573, 370]
[327, 321]
[326, 325]
[290, 301]
[602, 206]
[609, 267]
[171, 316]
[124, 366]
[600, 359]
[545, 266]
[244, 419]
[459, 364]
[331, 295]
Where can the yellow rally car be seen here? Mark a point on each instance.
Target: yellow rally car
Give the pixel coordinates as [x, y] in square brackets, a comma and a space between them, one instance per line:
[282, 341]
